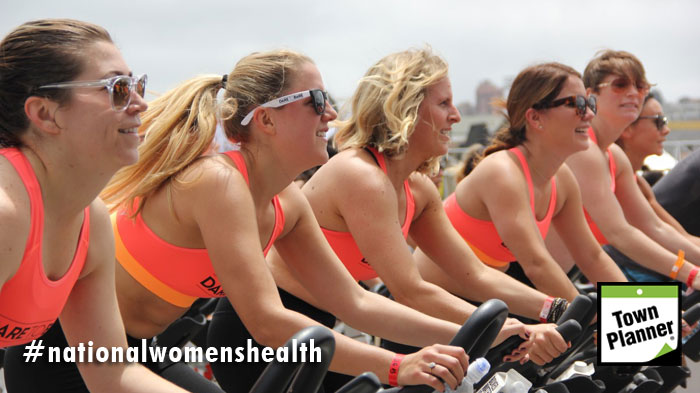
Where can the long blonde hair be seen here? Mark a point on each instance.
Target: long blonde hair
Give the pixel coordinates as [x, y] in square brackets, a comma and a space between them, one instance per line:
[386, 101]
[180, 125]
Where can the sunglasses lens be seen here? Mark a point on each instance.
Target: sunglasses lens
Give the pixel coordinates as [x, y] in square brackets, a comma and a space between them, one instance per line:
[620, 84]
[319, 101]
[121, 93]
[661, 122]
[141, 86]
[593, 104]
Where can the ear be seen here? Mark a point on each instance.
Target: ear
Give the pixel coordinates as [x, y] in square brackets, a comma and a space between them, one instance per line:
[41, 113]
[533, 118]
[265, 121]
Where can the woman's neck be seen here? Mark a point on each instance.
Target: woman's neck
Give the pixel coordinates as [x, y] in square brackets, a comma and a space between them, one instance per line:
[67, 187]
[544, 162]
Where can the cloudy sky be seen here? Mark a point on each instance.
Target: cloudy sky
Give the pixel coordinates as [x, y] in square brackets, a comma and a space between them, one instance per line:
[173, 40]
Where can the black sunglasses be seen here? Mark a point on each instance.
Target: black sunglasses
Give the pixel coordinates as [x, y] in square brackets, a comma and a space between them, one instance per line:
[578, 102]
[659, 120]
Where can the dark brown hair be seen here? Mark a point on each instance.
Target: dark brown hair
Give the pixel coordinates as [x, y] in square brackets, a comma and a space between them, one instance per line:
[542, 82]
[35, 54]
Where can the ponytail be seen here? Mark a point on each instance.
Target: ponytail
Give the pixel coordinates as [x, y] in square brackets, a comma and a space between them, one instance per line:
[178, 128]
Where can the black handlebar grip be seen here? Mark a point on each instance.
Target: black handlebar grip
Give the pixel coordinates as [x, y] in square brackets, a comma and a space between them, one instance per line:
[578, 309]
[692, 315]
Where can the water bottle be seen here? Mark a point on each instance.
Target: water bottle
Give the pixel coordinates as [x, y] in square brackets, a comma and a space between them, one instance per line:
[508, 382]
[477, 370]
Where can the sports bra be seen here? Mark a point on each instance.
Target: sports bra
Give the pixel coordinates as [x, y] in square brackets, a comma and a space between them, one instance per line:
[611, 164]
[344, 244]
[482, 236]
[175, 274]
[30, 302]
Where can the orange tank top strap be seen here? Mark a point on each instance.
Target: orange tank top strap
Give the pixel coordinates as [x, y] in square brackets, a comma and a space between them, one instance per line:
[410, 201]
[597, 233]
[238, 160]
[24, 318]
[543, 224]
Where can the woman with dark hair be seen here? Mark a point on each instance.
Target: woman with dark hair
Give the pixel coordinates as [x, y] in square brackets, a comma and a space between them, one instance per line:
[69, 110]
[504, 208]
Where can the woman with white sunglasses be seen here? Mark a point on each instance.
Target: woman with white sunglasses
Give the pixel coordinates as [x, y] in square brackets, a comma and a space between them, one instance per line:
[69, 111]
[189, 226]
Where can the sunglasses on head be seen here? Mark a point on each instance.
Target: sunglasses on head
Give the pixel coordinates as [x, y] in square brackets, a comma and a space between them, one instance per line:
[318, 97]
[622, 83]
[659, 120]
[578, 102]
[119, 88]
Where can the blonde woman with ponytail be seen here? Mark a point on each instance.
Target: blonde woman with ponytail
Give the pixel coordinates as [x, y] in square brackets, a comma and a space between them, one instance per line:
[189, 225]
[505, 206]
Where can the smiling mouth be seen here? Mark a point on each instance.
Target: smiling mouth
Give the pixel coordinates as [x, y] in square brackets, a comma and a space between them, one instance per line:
[128, 130]
[445, 132]
[581, 130]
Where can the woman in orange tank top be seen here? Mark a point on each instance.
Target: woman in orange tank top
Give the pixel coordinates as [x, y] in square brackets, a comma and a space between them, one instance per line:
[373, 193]
[624, 217]
[221, 213]
[505, 206]
[69, 109]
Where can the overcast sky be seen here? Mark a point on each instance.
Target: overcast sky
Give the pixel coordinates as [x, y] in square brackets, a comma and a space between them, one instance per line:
[486, 39]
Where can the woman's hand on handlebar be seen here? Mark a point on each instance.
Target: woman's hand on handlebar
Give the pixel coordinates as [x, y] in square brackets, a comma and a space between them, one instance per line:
[544, 345]
[449, 366]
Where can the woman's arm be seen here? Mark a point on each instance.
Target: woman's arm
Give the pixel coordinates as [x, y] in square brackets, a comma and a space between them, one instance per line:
[592, 174]
[91, 314]
[501, 187]
[223, 208]
[315, 265]
[570, 223]
[649, 216]
[441, 245]
[663, 215]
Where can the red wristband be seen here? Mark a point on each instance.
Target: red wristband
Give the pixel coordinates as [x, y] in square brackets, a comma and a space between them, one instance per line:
[691, 276]
[394, 369]
[545, 309]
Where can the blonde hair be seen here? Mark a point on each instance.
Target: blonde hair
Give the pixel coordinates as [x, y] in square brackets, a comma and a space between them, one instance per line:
[179, 126]
[386, 101]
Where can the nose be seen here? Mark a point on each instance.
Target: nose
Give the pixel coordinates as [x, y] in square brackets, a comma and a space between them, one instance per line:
[588, 115]
[329, 114]
[454, 116]
[137, 104]
[665, 130]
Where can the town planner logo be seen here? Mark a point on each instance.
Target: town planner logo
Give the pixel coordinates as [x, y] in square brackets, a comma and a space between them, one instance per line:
[639, 323]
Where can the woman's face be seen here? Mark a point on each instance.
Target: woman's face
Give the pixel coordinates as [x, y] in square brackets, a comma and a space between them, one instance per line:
[436, 115]
[298, 125]
[102, 134]
[619, 100]
[562, 124]
[643, 135]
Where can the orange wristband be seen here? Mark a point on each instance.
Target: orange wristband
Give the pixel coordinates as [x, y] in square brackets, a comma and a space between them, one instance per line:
[394, 369]
[677, 266]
